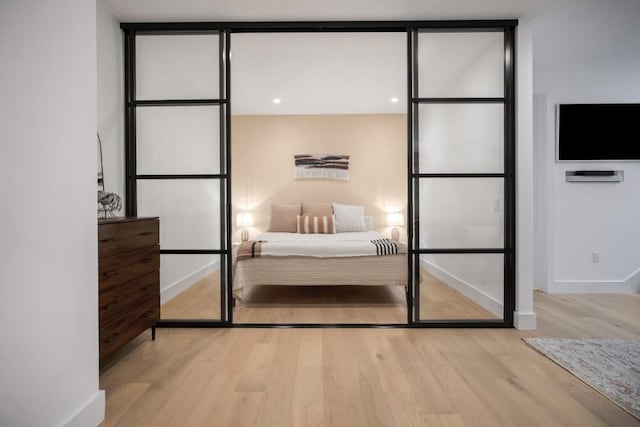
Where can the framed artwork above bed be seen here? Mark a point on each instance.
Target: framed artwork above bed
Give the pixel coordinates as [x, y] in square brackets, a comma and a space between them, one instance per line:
[322, 166]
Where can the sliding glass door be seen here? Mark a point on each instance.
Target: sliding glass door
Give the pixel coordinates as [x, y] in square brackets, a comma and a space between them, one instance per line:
[462, 175]
[460, 163]
[177, 163]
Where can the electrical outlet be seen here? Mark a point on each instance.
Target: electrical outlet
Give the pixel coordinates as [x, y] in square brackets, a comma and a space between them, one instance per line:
[595, 256]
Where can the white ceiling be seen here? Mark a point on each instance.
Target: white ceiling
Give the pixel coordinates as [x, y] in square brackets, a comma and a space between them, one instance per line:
[309, 10]
[318, 73]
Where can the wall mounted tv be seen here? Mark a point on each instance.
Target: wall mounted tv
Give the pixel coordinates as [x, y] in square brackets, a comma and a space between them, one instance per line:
[598, 132]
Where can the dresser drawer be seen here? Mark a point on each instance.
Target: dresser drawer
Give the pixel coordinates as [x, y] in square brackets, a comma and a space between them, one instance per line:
[128, 280]
[115, 238]
[118, 269]
[117, 300]
[123, 329]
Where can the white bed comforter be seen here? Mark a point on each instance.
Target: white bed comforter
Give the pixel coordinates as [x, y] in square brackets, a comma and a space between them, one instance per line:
[319, 245]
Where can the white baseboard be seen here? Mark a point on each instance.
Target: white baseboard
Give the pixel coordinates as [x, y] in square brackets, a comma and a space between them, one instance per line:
[91, 414]
[186, 282]
[628, 285]
[524, 321]
[485, 301]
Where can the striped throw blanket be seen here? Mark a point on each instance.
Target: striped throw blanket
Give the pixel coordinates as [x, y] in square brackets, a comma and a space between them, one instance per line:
[389, 247]
[249, 249]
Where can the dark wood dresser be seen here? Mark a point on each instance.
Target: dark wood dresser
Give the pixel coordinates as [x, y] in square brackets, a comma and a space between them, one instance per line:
[129, 280]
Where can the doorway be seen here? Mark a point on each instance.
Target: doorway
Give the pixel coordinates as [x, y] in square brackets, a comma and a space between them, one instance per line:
[339, 94]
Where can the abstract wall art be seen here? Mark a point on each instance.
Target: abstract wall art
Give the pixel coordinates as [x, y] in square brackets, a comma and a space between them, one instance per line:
[322, 166]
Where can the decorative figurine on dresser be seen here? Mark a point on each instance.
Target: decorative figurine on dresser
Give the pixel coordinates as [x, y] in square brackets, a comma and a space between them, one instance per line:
[129, 280]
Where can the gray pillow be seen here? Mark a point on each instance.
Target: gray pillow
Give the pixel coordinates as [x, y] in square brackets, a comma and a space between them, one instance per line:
[349, 218]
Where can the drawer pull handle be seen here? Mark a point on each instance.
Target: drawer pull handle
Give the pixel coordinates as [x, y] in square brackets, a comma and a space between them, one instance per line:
[111, 273]
[146, 233]
[110, 239]
[148, 314]
[148, 260]
[148, 287]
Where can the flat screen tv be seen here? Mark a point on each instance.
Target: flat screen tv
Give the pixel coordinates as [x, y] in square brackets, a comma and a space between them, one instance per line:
[598, 132]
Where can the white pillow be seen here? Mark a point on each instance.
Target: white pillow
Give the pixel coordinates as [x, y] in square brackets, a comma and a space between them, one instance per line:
[368, 222]
[349, 218]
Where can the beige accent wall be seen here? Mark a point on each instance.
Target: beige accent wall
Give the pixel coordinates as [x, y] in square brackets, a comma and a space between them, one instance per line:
[263, 166]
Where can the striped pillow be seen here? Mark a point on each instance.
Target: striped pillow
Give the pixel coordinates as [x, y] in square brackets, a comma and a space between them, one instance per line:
[316, 224]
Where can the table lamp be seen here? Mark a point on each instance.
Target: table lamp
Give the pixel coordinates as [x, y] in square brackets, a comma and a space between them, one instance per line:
[244, 220]
[394, 220]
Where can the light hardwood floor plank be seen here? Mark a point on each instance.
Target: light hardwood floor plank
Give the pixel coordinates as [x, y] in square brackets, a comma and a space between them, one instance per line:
[324, 304]
[364, 377]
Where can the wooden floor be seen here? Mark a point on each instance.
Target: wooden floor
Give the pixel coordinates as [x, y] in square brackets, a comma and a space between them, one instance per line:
[322, 304]
[367, 377]
[588, 316]
[440, 301]
[200, 301]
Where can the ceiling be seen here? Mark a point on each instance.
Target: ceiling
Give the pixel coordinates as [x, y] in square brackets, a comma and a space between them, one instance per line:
[318, 73]
[309, 10]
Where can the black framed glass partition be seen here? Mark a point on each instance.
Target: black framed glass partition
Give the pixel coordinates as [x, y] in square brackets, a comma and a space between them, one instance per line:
[460, 163]
[462, 144]
[177, 163]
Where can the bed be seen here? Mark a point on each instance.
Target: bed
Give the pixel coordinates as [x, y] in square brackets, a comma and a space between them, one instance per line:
[357, 258]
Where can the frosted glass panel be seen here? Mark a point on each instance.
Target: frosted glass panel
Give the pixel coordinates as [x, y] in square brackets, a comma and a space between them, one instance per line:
[178, 140]
[189, 211]
[461, 138]
[177, 66]
[461, 286]
[190, 286]
[461, 64]
[461, 213]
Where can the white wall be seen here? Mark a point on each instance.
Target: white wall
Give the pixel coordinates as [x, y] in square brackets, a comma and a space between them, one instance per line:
[111, 99]
[48, 244]
[586, 51]
[524, 316]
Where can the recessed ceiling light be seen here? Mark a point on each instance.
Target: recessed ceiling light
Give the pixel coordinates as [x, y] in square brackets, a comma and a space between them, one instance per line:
[394, 100]
[276, 100]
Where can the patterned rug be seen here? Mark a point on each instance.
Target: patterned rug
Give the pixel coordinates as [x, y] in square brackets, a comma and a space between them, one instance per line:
[611, 367]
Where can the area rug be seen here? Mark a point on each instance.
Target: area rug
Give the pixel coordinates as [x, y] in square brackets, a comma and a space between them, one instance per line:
[611, 367]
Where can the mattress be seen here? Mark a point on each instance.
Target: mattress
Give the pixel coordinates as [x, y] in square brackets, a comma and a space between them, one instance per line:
[319, 270]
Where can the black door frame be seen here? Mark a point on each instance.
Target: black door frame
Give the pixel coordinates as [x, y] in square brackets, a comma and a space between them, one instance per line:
[508, 177]
[411, 28]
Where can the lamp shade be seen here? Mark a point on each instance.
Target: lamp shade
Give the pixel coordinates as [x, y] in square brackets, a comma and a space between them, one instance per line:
[244, 219]
[394, 219]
